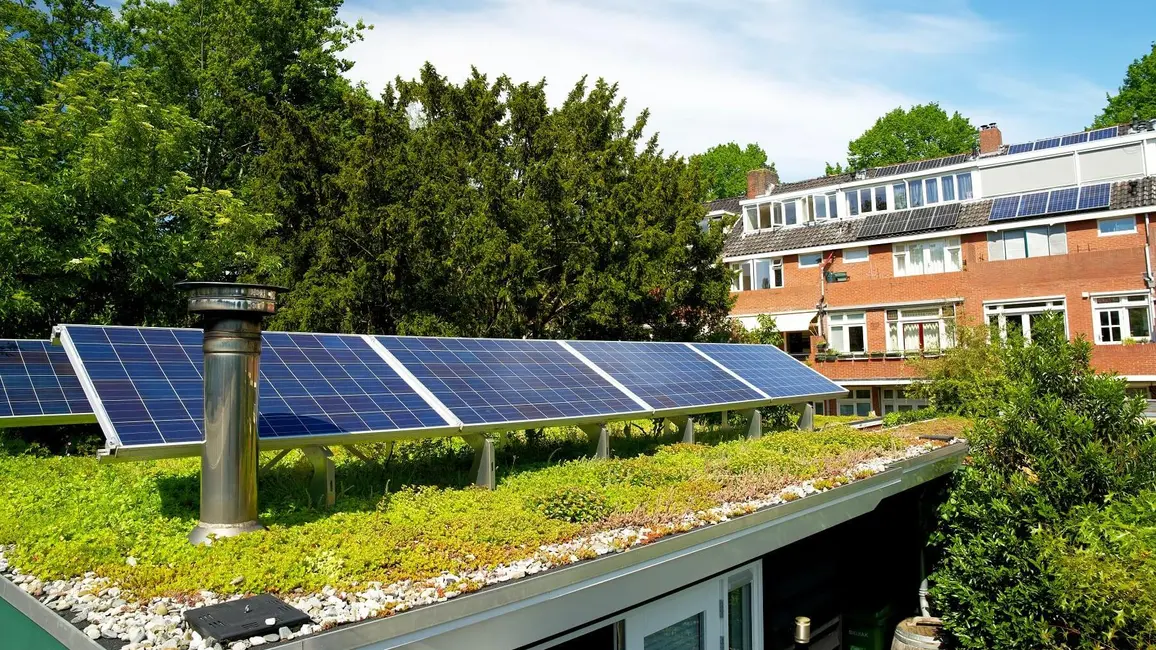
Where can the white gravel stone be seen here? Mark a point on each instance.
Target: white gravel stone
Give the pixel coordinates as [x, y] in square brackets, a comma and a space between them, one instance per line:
[136, 634]
[92, 632]
[257, 640]
[272, 638]
[284, 633]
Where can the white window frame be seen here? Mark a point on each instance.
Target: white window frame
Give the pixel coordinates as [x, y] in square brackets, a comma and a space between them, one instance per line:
[818, 257]
[844, 323]
[895, 321]
[1120, 304]
[896, 399]
[750, 269]
[1113, 233]
[1056, 240]
[856, 398]
[1022, 310]
[904, 257]
[866, 255]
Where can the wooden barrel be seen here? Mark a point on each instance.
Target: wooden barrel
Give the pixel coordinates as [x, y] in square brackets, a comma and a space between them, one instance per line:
[917, 633]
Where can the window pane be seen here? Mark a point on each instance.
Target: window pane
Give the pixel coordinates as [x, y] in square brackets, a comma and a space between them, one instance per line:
[852, 202]
[683, 635]
[1138, 326]
[832, 206]
[863, 408]
[746, 278]
[1037, 241]
[863, 393]
[914, 259]
[846, 409]
[915, 194]
[856, 339]
[1014, 245]
[820, 203]
[932, 191]
[900, 258]
[953, 262]
[948, 184]
[1058, 240]
[789, 213]
[1110, 326]
[764, 215]
[855, 254]
[739, 636]
[893, 336]
[810, 259]
[880, 198]
[1014, 326]
[838, 341]
[964, 181]
[900, 192]
[934, 258]
[778, 273]
[911, 336]
[763, 274]
[751, 212]
[865, 200]
[1123, 224]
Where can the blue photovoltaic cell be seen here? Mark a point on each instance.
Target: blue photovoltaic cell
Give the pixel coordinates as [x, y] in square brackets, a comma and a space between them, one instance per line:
[1075, 138]
[36, 380]
[666, 375]
[769, 369]
[1021, 148]
[1033, 204]
[1095, 196]
[149, 382]
[484, 381]
[1047, 144]
[1103, 134]
[1063, 200]
[1004, 208]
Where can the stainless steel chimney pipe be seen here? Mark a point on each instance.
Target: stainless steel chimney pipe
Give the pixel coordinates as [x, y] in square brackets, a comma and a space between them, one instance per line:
[231, 315]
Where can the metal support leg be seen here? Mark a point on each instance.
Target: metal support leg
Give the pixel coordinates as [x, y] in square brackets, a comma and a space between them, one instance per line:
[599, 439]
[726, 422]
[806, 421]
[755, 425]
[685, 424]
[483, 468]
[322, 486]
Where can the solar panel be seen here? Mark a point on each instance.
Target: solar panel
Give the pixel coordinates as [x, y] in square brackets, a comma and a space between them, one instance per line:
[667, 375]
[1047, 143]
[872, 226]
[1095, 196]
[1033, 204]
[907, 168]
[769, 369]
[945, 216]
[920, 219]
[1103, 134]
[147, 385]
[1075, 138]
[1063, 200]
[894, 223]
[1021, 148]
[501, 381]
[1004, 208]
[39, 386]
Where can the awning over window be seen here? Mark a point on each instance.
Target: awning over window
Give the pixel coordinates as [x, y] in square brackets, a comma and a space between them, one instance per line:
[795, 322]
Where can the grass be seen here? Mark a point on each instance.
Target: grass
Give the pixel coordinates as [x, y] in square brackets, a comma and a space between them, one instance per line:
[409, 514]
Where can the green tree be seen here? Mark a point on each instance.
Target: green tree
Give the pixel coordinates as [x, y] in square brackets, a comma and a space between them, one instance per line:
[924, 131]
[1136, 96]
[1058, 438]
[724, 168]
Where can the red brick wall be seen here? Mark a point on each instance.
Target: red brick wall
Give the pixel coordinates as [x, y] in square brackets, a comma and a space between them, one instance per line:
[1092, 264]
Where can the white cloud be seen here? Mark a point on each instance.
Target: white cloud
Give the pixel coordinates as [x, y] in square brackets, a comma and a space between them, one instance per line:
[800, 78]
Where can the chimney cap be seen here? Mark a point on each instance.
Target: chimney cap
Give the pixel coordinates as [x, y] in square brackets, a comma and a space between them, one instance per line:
[206, 297]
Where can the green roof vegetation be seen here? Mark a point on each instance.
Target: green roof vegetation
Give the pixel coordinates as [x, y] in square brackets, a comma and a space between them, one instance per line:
[409, 514]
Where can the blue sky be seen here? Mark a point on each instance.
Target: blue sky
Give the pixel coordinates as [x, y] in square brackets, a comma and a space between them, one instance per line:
[800, 77]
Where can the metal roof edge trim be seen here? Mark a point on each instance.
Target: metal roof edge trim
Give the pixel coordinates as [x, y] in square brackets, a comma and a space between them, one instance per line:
[532, 609]
[52, 623]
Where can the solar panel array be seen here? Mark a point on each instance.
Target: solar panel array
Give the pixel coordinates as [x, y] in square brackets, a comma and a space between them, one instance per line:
[1004, 207]
[1066, 140]
[769, 369]
[485, 381]
[38, 384]
[1033, 204]
[1068, 199]
[1063, 200]
[1095, 196]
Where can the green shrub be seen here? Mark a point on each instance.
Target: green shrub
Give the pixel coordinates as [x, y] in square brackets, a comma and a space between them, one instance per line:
[1057, 438]
[896, 418]
[575, 505]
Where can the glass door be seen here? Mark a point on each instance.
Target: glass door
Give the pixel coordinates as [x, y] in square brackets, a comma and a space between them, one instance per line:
[678, 622]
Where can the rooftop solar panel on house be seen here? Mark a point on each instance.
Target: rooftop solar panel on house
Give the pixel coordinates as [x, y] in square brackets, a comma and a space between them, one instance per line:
[895, 223]
[502, 381]
[945, 216]
[1033, 204]
[667, 376]
[146, 386]
[920, 219]
[769, 369]
[907, 168]
[38, 386]
[1046, 143]
[1063, 200]
[1075, 138]
[1004, 207]
[1021, 148]
[1103, 134]
[1095, 196]
[872, 226]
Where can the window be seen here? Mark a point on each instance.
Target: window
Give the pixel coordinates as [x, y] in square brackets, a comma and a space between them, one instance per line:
[900, 191]
[1039, 241]
[852, 202]
[789, 216]
[964, 181]
[722, 612]
[832, 206]
[742, 279]
[948, 183]
[1119, 319]
[740, 619]
[810, 259]
[848, 333]
[865, 200]
[1014, 319]
[932, 186]
[920, 329]
[926, 257]
[768, 273]
[855, 255]
[1118, 226]
[764, 215]
[915, 193]
[880, 198]
[897, 399]
[819, 206]
[857, 402]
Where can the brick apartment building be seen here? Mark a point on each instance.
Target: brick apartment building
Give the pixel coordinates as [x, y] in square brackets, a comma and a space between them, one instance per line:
[865, 270]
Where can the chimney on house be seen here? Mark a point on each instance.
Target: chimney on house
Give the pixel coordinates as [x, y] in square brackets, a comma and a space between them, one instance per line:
[760, 181]
[990, 138]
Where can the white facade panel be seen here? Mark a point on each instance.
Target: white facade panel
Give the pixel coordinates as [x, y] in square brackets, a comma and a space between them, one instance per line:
[1028, 176]
[1112, 164]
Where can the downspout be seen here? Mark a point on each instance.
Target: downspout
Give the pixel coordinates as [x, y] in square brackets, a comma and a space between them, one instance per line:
[1148, 280]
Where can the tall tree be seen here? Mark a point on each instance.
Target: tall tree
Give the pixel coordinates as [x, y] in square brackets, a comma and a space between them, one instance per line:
[924, 131]
[724, 168]
[1137, 95]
